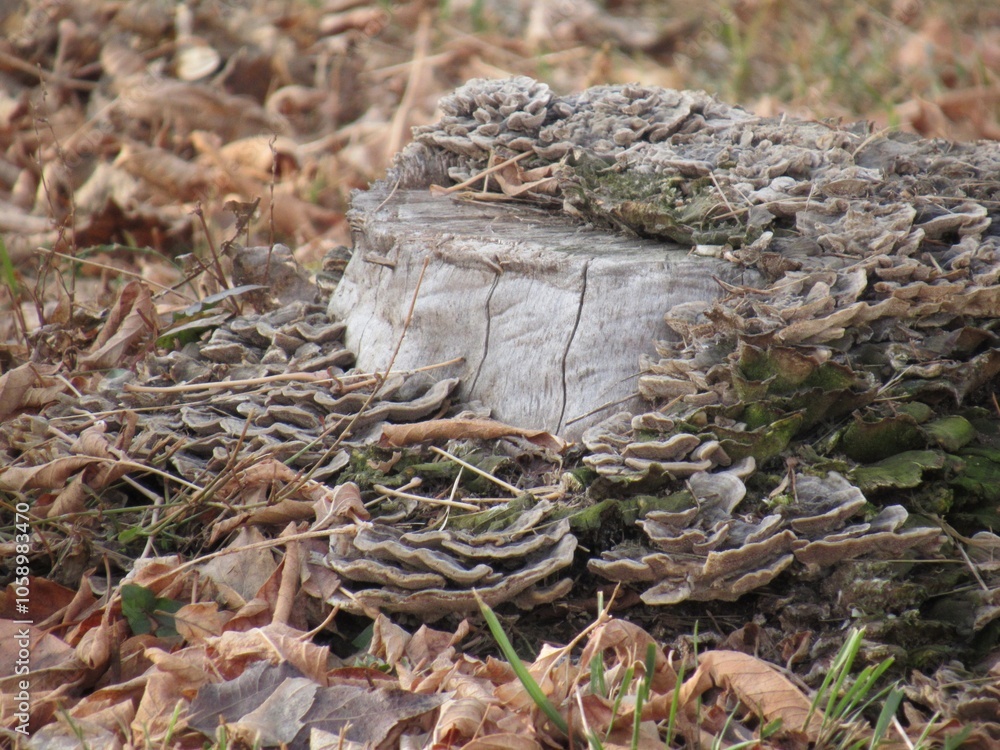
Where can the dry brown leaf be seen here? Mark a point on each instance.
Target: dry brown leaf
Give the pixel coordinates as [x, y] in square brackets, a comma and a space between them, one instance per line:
[503, 742]
[341, 504]
[94, 649]
[282, 512]
[388, 640]
[244, 570]
[629, 643]
[28, 387]
[428, 644]
[290, 571]
[198, 621]
[397, 436]
[112, 707]
[92, 442]
[71, 499]
[757, 684]
[131, 322]
[459, 718]
[516, 182]
[169, 683]
[179, 179]
[48, 597]
[50, 476]
[53, 663]
[270, 642]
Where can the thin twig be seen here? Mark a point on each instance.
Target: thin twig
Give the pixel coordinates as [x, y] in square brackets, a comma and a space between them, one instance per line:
[476, 177]
[485, 474]
[421, 499]
[263, 544]
[605, 405]
[305, 377]
[120, 271]
[44, 75]
[218, 385]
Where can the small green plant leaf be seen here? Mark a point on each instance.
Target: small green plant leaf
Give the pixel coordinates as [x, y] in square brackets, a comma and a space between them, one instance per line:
[147, 613]
[178, 335]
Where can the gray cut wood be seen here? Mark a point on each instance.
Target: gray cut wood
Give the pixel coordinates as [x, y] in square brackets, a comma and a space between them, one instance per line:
[550, 317]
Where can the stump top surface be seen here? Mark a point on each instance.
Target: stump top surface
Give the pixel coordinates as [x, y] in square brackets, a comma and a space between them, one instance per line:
[507, 227]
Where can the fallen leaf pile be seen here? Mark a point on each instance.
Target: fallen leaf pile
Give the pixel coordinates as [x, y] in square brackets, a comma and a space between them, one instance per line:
[159, 669]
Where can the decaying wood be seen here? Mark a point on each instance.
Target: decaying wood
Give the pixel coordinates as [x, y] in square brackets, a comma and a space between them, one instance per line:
[550, 317]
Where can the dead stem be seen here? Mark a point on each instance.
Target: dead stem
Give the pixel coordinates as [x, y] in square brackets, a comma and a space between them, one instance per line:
[475, 469]
[438, 190]
[421, 499]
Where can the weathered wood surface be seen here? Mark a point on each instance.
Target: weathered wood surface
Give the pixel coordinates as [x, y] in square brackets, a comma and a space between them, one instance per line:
[550, 317]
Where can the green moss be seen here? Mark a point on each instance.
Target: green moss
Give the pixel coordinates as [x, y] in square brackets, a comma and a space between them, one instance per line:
[786, 369]
[917, 410]
[980, 478]
[902, 471]
[657, 206]
[673, 503]
[762, 443]
[877, 439]
[493, 519]
[951, 433]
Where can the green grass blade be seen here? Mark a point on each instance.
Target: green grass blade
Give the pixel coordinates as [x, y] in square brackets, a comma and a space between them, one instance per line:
[885, 718]
[955, 741]
[717, 742]
[597, 684]
[622, 692]
[827, 691]
[674, 705]
[534, 690]
[643, 692]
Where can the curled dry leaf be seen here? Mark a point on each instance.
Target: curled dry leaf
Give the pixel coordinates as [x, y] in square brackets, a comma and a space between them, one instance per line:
[52, 475]
[131, 322]
[28, 386]
[629, 643]
[397, 436]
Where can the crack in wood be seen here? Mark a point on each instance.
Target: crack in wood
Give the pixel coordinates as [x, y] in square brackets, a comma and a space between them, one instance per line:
[486, 337]
[569, 342]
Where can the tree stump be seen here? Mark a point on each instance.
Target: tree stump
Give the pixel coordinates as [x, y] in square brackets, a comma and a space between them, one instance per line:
[549, 317]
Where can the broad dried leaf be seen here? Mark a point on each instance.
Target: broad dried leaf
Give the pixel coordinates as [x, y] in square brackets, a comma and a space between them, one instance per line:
[629, 643]
[270, 641]
[283, 706]
[503, 742]
[198, 621]
[757, 684]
